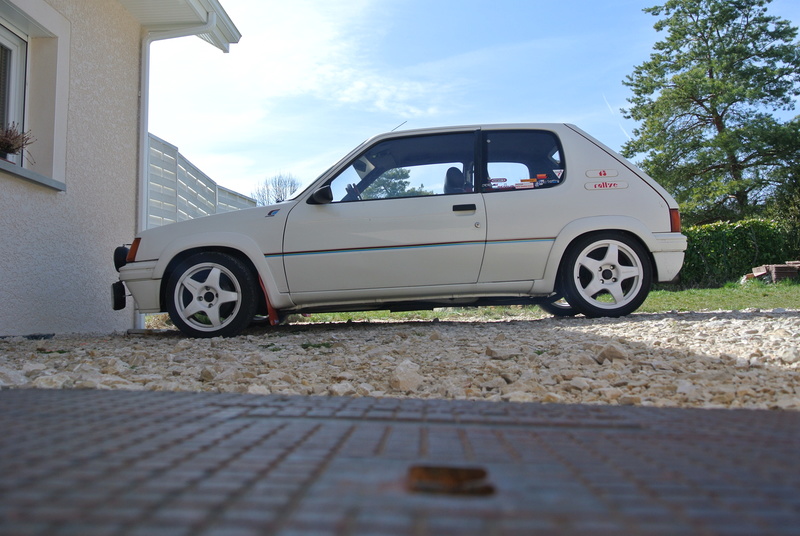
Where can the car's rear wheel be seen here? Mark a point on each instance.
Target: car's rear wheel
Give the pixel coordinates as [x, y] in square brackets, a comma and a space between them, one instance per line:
[558, 307]
[606, 274]
[211, 294]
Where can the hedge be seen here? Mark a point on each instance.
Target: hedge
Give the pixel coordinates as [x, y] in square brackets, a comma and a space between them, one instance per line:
[721, 252]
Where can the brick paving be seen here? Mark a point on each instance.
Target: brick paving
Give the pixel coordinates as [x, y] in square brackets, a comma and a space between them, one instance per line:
[142, 463]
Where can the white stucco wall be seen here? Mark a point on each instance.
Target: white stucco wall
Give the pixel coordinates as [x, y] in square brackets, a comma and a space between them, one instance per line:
[55, 247]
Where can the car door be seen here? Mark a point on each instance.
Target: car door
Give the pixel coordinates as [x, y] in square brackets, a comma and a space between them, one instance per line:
[525, 204]
[391, 225]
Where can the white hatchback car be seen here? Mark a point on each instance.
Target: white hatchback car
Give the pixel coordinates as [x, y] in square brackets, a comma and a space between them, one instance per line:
[476, 215]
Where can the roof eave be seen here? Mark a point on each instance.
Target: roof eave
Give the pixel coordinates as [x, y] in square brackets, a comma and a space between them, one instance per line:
[225, 32]
[185, 14]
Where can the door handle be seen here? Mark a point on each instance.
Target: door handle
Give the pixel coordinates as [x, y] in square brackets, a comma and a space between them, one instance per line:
[464, 208]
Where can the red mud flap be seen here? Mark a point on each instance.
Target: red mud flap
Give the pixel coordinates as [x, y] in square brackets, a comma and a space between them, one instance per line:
[272, 314]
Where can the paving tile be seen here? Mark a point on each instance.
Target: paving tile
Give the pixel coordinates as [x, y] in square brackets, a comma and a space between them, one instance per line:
[129, 463]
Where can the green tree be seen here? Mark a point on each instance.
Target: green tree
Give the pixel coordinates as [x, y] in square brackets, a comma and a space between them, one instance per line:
[705, 102]
[275, 189]
[785, 203]
[393, 183]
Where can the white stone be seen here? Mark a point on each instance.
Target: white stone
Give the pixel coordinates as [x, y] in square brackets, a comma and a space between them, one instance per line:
[581, 383]
[207, 375]
[789, 355]
[613, 352]
[11, 377]
[405, 377]
[553, 398]
[55, 381]
[342, 389]
[365, 389]
[788, 402]
[31, 368]
[518, 396]
[611, 393]
[685, 387]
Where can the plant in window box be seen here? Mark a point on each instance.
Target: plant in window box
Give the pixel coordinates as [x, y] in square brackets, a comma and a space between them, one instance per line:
[13, 141]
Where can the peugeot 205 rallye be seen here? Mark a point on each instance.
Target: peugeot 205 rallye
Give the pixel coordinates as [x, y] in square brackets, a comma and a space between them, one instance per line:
[475, 215]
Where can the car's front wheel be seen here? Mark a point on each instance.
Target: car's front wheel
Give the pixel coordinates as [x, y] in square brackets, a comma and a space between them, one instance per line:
[606, 274]
[211, 294]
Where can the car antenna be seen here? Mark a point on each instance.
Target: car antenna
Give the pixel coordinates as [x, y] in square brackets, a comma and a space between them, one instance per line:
[400, 125]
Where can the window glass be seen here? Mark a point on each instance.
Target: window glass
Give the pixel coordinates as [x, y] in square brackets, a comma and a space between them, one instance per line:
[522, 160]
[12, 73]
[5, 67]
[409, 167]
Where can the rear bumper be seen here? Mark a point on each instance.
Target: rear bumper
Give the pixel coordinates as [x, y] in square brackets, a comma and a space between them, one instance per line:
[668, 255]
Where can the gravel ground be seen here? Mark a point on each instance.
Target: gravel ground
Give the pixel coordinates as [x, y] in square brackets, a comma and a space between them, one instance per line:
[747, 359]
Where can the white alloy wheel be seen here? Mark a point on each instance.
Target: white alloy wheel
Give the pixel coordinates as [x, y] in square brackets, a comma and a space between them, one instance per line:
[606, 274]
[211, 295]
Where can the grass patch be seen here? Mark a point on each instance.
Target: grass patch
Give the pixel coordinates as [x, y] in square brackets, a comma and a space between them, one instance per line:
[307, 345]
[445, 313]
[731, 297]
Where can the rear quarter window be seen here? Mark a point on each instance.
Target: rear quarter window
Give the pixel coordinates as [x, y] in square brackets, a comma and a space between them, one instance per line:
[522, 160]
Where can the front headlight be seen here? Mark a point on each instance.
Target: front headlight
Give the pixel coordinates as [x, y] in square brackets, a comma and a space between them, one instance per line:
[123, 255]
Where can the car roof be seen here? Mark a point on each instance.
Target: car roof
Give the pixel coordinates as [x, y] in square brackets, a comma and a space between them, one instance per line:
[467, 128]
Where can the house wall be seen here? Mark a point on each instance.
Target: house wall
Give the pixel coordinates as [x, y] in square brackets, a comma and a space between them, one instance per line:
[56, 246]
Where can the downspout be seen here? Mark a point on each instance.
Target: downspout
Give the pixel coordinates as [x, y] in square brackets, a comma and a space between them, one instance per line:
[144, 105]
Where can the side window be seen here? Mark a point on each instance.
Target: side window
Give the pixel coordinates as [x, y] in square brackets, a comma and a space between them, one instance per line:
[409, 167]
[522, 160]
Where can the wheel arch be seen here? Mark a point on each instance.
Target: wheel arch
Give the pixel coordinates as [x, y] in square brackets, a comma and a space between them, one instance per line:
[231, 244]
[579, 229]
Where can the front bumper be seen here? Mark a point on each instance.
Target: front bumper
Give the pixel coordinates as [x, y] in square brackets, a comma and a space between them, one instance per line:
[138, 278]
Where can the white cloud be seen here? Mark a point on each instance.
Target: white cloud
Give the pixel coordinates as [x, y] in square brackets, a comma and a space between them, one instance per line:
[306, 47]
[299, 65]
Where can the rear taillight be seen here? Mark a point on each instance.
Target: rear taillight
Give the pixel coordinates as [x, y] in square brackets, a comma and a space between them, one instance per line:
[132, 252]
[675, 220]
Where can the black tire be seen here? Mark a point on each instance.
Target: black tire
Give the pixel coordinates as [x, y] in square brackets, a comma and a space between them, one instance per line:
[559, 307]
[606, 274]
[211, 294]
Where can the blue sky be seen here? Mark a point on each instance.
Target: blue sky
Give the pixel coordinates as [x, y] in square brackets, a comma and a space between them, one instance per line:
[310, 79]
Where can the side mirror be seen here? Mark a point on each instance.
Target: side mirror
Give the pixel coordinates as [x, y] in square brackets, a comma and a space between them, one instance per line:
[322, 196]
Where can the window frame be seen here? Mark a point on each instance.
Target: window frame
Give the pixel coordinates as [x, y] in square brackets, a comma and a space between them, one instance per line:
[45, 92]
[536, 183]
[365, 178]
